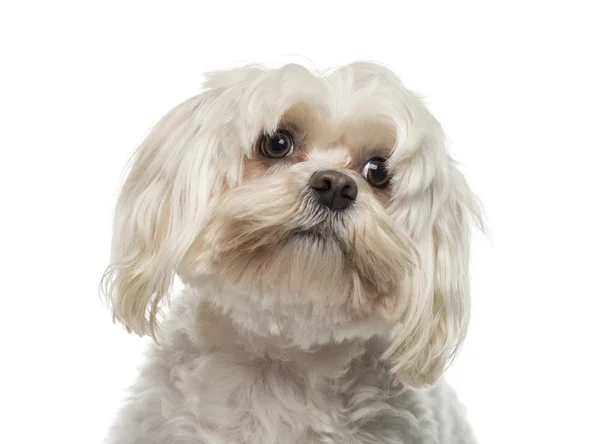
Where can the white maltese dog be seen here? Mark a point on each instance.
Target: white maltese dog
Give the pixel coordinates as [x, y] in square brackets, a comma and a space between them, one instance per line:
[322, 232]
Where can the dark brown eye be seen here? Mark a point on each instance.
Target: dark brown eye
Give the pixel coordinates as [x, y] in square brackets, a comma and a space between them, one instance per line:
[278, 145]
[376, 173]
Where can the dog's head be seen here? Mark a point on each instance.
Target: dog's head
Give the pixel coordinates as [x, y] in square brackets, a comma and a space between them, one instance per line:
[316, 208]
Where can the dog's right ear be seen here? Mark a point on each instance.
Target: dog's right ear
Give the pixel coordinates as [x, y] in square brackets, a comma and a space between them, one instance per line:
[188, 158]
[156, 207]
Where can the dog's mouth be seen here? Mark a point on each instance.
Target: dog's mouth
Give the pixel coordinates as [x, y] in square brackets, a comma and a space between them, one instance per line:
[312, 234]
[316, 235]
[322, 226]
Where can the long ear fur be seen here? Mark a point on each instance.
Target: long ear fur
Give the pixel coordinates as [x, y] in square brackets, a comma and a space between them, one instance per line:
[149, 236]
[179, 166]
[435, 323]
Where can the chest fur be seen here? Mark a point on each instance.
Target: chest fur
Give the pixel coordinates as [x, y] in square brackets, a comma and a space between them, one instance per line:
[275, 402]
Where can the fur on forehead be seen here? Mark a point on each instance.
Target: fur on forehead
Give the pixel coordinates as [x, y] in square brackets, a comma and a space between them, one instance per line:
[361, 105]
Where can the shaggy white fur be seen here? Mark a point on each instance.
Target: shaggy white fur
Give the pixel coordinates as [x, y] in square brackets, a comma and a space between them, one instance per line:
[316, 310]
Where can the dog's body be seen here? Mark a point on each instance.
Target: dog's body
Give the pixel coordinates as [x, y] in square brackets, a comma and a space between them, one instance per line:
[322, 232]
[209, 383]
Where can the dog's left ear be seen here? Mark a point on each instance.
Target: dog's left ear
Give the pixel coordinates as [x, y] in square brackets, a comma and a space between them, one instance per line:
[435, 319]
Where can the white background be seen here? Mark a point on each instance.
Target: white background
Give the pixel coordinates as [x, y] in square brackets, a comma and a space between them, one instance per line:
[515, 85]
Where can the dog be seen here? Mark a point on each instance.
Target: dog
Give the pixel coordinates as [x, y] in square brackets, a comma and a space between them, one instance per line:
[321, 230]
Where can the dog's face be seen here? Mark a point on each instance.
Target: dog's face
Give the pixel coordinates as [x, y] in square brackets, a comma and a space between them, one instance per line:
[316, 209]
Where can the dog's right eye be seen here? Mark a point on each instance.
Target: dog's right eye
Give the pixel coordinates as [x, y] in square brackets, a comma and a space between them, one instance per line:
[278, 145]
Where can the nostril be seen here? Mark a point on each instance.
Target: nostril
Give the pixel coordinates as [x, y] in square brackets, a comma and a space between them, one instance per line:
[350, 190]
[322, 184]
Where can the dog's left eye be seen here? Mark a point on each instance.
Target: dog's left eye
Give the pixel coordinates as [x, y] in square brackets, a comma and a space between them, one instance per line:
[278, 145]
[376, 173]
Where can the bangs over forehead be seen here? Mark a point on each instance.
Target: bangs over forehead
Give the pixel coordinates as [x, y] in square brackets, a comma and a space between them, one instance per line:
[362, 105]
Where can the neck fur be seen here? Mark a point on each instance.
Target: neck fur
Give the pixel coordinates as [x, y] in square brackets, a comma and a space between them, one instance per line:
[205, 326]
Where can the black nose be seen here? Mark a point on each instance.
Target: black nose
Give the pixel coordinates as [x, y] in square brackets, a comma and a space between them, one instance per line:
[334, 189]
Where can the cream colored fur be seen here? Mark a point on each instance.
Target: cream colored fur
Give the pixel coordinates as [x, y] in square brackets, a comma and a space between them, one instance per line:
[298, 325]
